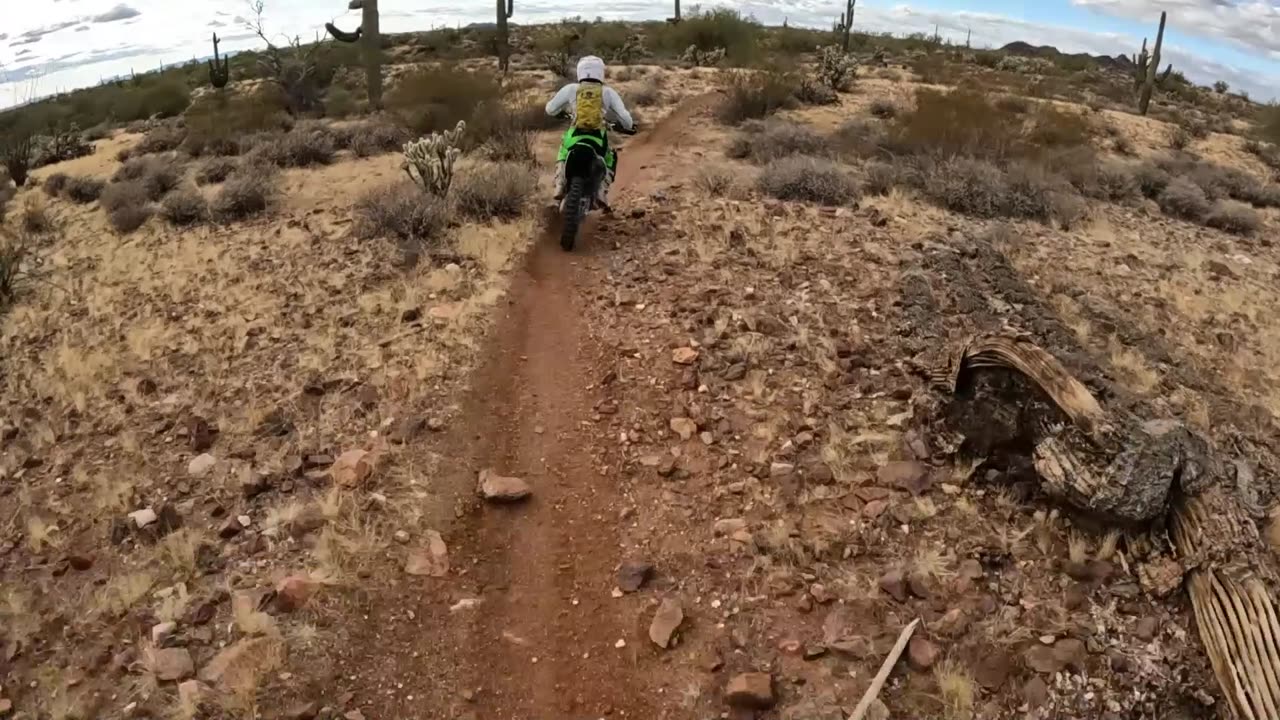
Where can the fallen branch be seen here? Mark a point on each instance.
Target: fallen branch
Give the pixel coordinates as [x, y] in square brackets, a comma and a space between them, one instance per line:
[873, 691]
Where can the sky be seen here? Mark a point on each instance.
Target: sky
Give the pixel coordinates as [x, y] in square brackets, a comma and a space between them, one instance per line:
[48, 46]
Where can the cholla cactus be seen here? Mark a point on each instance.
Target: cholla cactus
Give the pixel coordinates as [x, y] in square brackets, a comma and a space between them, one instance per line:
[836, 68]
[702, 58]
[429, 160]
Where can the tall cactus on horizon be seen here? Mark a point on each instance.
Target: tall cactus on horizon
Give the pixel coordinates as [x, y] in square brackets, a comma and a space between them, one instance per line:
[1146, 69]
[370, 38]
[505, 9]
[219, 68]
[846, 24]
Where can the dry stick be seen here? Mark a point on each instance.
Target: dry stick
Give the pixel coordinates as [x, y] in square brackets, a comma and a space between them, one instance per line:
[878, 681]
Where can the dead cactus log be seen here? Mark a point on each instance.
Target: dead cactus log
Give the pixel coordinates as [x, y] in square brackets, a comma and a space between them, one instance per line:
[1125, 469]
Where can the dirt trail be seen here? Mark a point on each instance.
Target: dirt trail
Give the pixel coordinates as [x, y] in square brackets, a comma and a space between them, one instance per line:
[544, 640]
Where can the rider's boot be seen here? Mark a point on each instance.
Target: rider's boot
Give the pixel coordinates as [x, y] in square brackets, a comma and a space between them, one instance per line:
[561, 188]
[602, 193]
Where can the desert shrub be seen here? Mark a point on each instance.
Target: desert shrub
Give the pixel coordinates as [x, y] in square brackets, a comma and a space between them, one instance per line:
[1182, 198]
[1012, 104]
[763, 142]
[217, 123]
[402, 211]
[339, 102]
[1151, 178]
[810, 91]
[247, 192]
[1028, 192]
[756, 95]
[880, 177]
[185, 206]
[709, 30]
[301, 147]
[1220, 87]
[215, 170]
[981, 189]
[17, 151]
[84, 189]
[163, 138]
[1221, 182]
[161, 176]
[1067, 209]
[1122, 145]
[1116, 181]
[55, 184]
[126, 204]
[505, 135]
[858, 138]
[1266, 152]
[132, 169]
[35, 216]
[714, 180]
[807, 179]
[1054, 128]
[377, 137]
[1180, 138]
[647, 95]
[490, 191]
[435, 99]
[933, 69]
[883, 109]
[1233, 217]
[960, 122]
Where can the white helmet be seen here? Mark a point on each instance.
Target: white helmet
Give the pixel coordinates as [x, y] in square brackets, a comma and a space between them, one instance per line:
[591, 68]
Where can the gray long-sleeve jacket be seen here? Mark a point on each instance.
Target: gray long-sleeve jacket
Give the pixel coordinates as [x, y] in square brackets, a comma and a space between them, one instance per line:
[614, 110]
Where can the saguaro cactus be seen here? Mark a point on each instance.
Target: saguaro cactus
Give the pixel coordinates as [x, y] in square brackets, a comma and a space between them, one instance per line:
[505, 10]
[370, 38]
[219, 68]
[846, 24]
[676, 17]
[1147, 69]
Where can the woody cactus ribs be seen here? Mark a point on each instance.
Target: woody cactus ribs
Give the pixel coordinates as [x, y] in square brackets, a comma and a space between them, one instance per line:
[219, 68]
[370, 39]
[505, 9]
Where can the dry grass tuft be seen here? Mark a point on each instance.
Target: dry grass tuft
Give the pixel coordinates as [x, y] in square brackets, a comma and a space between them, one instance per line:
[247, 193]
[1183, 199]
[956, 689]
[35, 218]
[377, 137]
[883, 109]
[84, 189]
[714, 180]
[808, 179]
[755, 95]
[768, 141]
[55, 184]
[185, 207]
[127, 205]
[215, 170]
[301, 147]
[1233, 217]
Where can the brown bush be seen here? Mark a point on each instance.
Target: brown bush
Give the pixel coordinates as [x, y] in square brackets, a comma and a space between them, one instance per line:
[35, 216]
[957, 123]
[1068, 210]
[84, 189]
[981, 189]
[755, 95]
[883, 109]
[55, 184]
[498, 190]
[1116, 181]
[1182, 198]
[1233, 217]
[248, 192]
[858, 138]
[162, 138]
[1028, 192]
[807, 179]
[648, 94]
[215, 170]
[377, 137]
[714, 180]
[126, 204]
[217, 123]
[132, 169]
[434, 99]
[301, 147]
[161, 177]
[185, 206]
[1151, 178]
[881, 177]
[1054, 128]
[1180, 138]
[401, 211]
[767, 141]
[1012, 104]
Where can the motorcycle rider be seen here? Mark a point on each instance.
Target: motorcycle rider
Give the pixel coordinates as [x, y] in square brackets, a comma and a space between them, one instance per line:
[591, 105]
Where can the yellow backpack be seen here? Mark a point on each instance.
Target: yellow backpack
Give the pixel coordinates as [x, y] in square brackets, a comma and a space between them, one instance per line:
[590, 106]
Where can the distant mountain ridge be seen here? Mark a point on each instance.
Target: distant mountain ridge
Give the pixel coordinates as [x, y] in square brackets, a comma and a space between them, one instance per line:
[1118, 62]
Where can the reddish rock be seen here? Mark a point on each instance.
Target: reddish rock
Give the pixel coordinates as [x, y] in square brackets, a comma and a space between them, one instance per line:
[910, 475]
[1035, 692]
[431, 560]
[352, 468]
[632, 575]
[894, 584]
[665, 622]
[993, 670]
[1147, 628]
[922, 654]
[169, 664]
[293, 592]
[751, 691]
[497, 488]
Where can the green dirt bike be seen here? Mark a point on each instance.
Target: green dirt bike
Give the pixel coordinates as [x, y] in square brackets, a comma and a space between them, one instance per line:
[584, 169]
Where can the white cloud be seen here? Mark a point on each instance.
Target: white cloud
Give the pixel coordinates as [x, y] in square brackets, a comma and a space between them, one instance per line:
[1253, 25]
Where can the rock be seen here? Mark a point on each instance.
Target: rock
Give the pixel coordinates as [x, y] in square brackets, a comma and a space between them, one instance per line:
[303, 711]
[735, 372]
[993, 670]
[922, 654]
[79, 562]
[199, 434]
[856, 648]
[401, 536]
[192, 693]
[168, 519]
[632, 575]
[411, 315]
[1219, 269]
[729, 526]
[1161, 577]
[1035, 692]
[169, 664]
[910, 475]
[1063, 654]
[684, 356]
[894, 584]
[201, 465]
[877, 710]
[971, 569]
[665, 622]
[684, 427]
[161, 632]
[1147, 628]
[352, 468]
[813, 651]
[237, 661]
[6, 707]
[230, 529]
[781, 470]
[874, 509]
[430, 561]
[920, 585]
[293, 592]
[750, 691]
[497, 488]
[253, 483]
[142, 518]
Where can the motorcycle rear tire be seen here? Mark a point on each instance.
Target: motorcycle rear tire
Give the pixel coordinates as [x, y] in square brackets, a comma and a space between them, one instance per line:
[575, 211]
